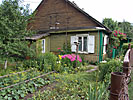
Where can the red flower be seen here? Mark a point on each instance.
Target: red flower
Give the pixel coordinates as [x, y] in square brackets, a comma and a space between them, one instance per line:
[115, 34]
[115, 47]
[115, 31]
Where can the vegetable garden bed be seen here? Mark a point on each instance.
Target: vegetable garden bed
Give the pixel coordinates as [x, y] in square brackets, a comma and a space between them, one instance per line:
[18, 85]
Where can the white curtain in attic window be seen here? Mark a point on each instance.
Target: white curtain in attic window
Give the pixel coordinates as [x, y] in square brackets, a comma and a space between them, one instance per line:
[73, 46]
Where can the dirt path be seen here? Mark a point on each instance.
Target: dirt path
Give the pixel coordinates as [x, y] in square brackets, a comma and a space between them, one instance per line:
[93, 69]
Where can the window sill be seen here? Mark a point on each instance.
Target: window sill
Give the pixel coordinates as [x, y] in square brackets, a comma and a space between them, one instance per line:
[43, 52]
[83, 52]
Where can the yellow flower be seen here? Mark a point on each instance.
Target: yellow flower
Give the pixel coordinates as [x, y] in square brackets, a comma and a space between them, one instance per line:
[65, 64]
[60, 57]
[76, 81]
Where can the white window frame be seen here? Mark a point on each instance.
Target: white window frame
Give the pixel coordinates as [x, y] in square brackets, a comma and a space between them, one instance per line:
[105, 41]
[83, 35]
[43, 45]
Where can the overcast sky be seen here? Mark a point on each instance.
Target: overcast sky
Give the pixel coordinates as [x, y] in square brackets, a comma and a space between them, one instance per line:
[118, 10]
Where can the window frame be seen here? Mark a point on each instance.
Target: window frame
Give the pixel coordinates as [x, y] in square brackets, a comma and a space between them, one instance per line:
[43, 45]
[82, 36]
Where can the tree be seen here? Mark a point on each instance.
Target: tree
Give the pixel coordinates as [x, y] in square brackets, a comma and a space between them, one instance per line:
[111, 24]
[13, 24]
[124, 27]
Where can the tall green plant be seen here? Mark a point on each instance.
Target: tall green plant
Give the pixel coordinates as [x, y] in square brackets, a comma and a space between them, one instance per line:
[96, 91]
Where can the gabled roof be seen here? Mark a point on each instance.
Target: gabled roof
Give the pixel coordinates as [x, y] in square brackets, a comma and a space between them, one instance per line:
[81, 11]
[86, 14]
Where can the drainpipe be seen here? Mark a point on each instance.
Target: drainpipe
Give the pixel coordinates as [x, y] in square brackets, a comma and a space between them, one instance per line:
[101, 47]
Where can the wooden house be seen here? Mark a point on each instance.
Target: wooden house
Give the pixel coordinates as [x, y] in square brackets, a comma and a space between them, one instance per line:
[59, 21]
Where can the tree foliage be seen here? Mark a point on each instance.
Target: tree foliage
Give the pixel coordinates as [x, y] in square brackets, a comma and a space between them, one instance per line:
[124, 27]
[111, 24]
[13, 23]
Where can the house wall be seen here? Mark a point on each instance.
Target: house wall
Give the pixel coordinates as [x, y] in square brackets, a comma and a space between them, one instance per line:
[39, 45]
[52, 11]
[57, 41]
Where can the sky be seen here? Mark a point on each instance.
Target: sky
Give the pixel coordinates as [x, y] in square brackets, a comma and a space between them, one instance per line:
[118, 10]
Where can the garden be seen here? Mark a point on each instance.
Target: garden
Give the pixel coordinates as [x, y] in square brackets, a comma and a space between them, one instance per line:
[51, 76]
[65, 76]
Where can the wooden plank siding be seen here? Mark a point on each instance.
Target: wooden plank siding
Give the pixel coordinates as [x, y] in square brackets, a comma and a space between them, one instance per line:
[57, 41]
[53, 11]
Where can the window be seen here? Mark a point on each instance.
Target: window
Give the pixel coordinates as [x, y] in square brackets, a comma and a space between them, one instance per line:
[105, 41]
[86, 43]
[43, 46]
[82, 43]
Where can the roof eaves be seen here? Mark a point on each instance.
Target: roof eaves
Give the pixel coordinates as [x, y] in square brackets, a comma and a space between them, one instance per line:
[77, 30]
[37, 36]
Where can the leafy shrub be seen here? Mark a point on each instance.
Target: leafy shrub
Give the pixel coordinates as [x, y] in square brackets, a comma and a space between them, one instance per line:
[106, 69]
[46, 62]
[67, 48]
[125, 46]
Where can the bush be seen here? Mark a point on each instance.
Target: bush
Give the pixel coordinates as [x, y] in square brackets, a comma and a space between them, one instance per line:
[46, 62]
[106, 68]
[125, 46]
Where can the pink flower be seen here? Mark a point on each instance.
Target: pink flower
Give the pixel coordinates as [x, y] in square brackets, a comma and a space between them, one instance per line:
[124, 34]
[58, 48]
[72, 57]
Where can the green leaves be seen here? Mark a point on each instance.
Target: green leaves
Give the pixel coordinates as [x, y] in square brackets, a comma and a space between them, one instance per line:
[23, 89]
[13, 25]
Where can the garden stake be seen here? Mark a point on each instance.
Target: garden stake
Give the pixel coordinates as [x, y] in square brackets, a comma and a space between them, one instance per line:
[77, 44]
